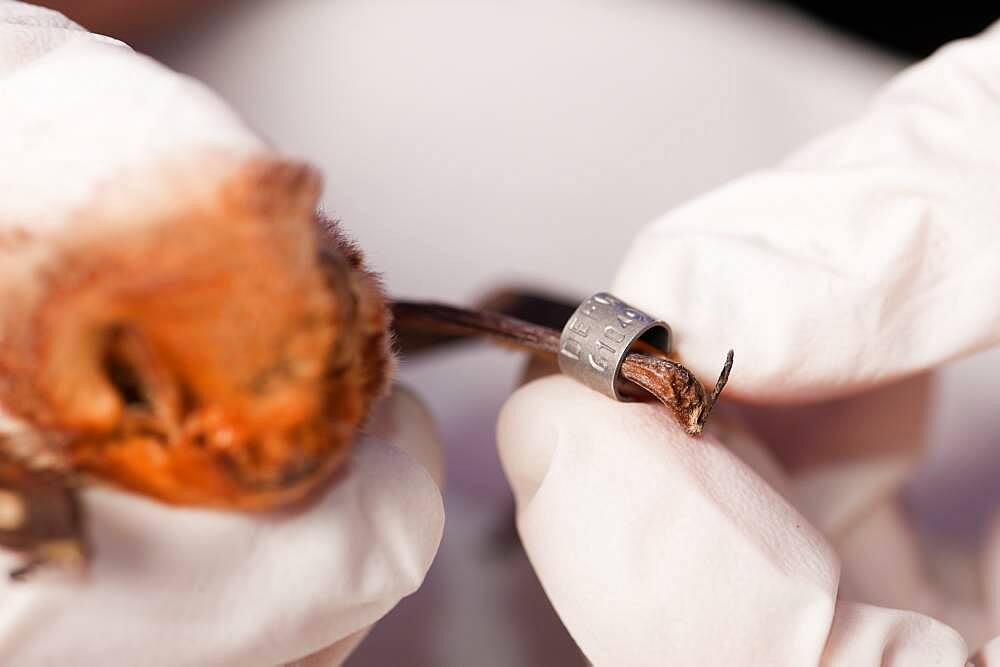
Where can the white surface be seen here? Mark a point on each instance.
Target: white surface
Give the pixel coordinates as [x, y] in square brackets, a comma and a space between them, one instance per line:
[466, 143]
[469, 144]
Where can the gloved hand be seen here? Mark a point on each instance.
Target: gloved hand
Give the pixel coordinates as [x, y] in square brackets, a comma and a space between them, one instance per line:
[168, 585]
[840, 278]
[181, 586]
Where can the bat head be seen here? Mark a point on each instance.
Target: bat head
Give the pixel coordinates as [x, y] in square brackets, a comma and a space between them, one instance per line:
[207, 344]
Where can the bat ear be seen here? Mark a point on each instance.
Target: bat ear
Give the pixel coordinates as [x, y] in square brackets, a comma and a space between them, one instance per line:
[275, 186]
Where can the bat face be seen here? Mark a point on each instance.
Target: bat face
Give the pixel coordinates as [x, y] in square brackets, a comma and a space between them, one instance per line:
[222, 357]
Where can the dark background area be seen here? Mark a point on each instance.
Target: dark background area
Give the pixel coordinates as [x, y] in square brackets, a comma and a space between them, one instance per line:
[911, 29]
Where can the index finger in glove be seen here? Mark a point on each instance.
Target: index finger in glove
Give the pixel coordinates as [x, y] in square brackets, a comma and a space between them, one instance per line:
[868, 256]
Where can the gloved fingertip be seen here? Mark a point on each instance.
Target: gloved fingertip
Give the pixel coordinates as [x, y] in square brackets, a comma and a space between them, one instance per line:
[863, 634]
[532, 423]
[527, 432]
[402, 419]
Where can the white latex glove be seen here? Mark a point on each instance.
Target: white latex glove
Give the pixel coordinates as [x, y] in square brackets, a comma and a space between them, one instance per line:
[868, 258]
[171, 586]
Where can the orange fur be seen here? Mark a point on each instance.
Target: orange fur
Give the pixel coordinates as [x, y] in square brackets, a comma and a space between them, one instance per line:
[257, 348]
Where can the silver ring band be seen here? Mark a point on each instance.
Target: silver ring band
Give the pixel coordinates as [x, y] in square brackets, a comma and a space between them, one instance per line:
[599, 335]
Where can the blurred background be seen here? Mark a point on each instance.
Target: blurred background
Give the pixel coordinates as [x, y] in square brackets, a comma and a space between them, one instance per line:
[478, 143]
